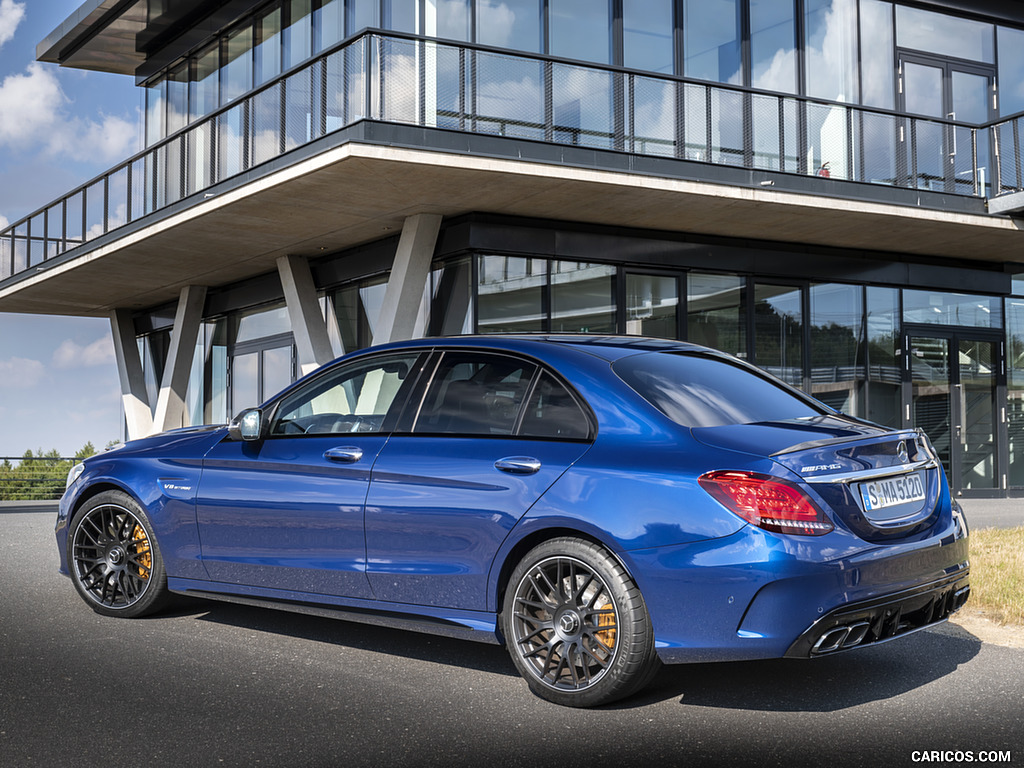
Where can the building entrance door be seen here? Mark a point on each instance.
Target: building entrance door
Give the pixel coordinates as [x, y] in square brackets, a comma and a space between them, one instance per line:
[946, 157]
[955, 384]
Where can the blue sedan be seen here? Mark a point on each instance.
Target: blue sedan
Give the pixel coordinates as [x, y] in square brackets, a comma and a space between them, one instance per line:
[600, 505]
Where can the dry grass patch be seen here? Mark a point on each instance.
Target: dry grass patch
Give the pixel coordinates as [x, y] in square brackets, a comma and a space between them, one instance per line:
[997, 574]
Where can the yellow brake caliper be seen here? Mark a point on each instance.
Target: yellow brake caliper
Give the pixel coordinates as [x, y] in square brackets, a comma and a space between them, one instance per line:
[606, 619]
[145, 556]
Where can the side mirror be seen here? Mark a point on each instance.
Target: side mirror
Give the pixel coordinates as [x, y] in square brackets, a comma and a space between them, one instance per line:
[248, 425]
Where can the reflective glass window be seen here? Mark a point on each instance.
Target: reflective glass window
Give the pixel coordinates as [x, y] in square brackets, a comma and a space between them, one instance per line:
[156, 107]
[453, 20]
[1015, 388]
[510, 294]
[510, 24]
[698, 391]
[268, 46]
[837, 347]
[1011, 71]
[934, 308]
[363, 14]
[715, 315]
[883, 344]
[943, 34]
[277, 370]
[711, 30]
[831, 50]
[298, 35]
[400, 15]
[876, 42]
[236, 77]
[652, 305]
[582, 297]
[778, 331]
[474, 394]
[328, 24]
[204, 95]
[245, 382]
[581, 30]
[452, 304]
[357, 308]
[647, 35]
[177, 98]
[260, 323]
[354, 397]
[773, 45]
[553, 413]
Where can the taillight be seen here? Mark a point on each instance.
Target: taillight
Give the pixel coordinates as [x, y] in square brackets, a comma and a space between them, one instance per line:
[767, 502]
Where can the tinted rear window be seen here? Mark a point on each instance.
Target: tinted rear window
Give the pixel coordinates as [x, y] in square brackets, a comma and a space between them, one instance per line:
[698, 391]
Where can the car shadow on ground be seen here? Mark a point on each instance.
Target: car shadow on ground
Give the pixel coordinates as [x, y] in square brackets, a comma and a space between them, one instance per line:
[779, 685]
[827, 684]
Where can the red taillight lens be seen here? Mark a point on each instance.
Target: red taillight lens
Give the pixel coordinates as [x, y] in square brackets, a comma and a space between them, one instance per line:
[767, 502]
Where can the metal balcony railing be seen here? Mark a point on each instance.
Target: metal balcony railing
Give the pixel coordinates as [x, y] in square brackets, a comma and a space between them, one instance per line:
[404, 79]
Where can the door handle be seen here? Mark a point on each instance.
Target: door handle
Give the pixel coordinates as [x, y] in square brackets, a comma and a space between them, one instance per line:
[518, 465]
[347, 453]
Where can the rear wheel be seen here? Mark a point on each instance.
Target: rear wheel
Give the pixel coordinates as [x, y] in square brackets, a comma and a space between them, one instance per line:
[576, 625]
[115, 562]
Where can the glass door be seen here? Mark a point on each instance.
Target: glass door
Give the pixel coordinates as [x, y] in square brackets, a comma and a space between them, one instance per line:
[954, 389]
[943, 157]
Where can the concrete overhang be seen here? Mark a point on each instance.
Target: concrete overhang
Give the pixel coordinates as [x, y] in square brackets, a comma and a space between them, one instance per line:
[359, 192]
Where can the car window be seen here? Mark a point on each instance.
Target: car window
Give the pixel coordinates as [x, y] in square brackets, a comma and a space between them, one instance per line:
[703, 391]
[353, 398]
[553, 413]
[474, 394]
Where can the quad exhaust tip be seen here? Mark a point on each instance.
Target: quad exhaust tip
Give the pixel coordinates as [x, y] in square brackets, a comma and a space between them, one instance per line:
[842, 637]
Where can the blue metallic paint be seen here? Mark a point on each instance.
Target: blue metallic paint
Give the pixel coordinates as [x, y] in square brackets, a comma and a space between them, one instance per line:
[716, 587]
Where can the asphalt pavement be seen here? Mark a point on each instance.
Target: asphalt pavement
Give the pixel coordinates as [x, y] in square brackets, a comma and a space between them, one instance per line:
[212, 684]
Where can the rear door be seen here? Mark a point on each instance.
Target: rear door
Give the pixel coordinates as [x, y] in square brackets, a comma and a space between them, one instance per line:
[492, 433]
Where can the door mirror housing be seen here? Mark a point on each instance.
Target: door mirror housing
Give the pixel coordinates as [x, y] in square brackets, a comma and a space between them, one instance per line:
[248, 425]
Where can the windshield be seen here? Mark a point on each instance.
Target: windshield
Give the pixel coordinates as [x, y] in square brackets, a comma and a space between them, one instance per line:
[701, 391]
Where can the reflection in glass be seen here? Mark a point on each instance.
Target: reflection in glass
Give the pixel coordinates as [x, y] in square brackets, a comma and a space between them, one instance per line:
[945, 35]
[712, 40]
[884, 377]
[1015, 389]
[773, 45]
[977, 391]
[509, 24]
[581, 30]
[778, 332]
[156, 105]
[244, 382]
[217, 396]
[1011, 72]
[400, 15]
[277, 371]
[260, 323]
[452, 305]
[583, 106]
[582, 297]
[715, 314]
[652, 306]
[931, 393]
[934, 308]
[453, 20]
[363, 14]
[357, 307]
[510, 96]
[236, 76]
[830, 27]
[268, 46]
[328, 24]
[837, 347]
[876, 60]
[204, 92]
[298, 35]
[177, 98]
[510, 294]
[647, 35]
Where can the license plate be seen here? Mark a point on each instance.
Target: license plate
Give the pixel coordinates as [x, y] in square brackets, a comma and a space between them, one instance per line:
[891, 491]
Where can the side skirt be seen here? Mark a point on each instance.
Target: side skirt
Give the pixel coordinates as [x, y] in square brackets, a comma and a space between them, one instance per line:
[476, 626]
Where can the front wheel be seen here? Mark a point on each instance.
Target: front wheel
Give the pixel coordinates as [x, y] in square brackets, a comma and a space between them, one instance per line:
[115, 562]
[576, 625]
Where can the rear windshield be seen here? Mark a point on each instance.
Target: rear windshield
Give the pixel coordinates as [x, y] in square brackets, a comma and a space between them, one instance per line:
[699, 391]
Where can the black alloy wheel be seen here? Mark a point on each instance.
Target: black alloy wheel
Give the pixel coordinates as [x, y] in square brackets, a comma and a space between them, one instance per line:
[114, 559]
[576, 625]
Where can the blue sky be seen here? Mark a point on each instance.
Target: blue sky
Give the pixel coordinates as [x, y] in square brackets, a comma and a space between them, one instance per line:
[58, 129]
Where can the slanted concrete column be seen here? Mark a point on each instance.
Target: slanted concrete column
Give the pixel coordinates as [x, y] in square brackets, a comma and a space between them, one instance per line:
[307, 320]
[134, 398]
[170, 405]
[404, 293]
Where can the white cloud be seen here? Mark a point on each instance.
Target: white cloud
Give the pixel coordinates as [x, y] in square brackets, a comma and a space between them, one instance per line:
[71, 355]
[4, 223]
[20, 373]
[34, 113]
[11, 14]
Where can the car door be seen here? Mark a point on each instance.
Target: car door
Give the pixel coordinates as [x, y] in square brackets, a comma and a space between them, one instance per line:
[286, 512]
[492, 433]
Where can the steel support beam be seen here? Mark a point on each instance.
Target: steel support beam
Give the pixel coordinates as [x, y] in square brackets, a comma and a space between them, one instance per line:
[404, 293]
[134, 398]
[311, 338]
[170, 405]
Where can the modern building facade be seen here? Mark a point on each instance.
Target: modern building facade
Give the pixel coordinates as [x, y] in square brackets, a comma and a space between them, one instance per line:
[826, 188]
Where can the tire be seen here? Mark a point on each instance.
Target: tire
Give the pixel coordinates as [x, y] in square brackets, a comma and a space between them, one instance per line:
[114, 559]
[576, 625]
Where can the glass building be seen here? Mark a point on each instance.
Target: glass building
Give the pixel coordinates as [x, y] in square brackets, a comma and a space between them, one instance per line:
[826, 188]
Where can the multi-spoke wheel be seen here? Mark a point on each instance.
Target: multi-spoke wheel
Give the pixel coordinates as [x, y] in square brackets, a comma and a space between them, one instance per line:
[114, 559]
[576, 625]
